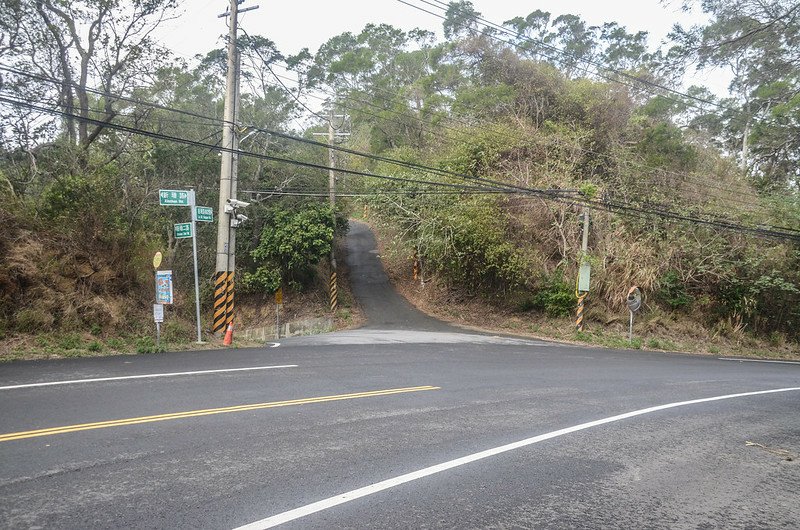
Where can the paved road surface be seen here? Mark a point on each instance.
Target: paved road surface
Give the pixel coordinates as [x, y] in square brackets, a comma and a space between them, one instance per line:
[407, 423]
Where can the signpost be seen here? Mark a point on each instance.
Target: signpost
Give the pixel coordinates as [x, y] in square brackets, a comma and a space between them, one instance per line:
[634, 302]
[193, 235]
[158, 309]
[186, 231]
[158, 316]
[278, 305]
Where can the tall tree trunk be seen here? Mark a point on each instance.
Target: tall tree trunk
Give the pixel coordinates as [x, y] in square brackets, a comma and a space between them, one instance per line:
[745, 155]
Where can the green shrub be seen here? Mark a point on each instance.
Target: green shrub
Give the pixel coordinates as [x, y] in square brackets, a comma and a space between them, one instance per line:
[72, 341]
[672, 291]
[116, 344]
[556, 297]
[94, 346]
[292, 243]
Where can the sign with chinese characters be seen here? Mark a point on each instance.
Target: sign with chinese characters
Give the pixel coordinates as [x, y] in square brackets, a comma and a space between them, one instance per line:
[204, 214]
[173, 197]
[183, 230]
[158, 313]
[164, 290]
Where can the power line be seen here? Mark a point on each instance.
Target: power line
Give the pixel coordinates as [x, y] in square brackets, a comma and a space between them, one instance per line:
[746, 190]
[285, 88]
[385, 159]
[401, 163]
[311, 165]
[602, 205]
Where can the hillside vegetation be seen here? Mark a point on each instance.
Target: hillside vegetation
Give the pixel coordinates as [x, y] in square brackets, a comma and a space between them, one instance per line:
[483, 151]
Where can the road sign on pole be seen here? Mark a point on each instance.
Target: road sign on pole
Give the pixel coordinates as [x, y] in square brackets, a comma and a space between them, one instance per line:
[204, 214]
[183, 230]
[158, 313]
[634, 301]
[164, 287]
[173, 197]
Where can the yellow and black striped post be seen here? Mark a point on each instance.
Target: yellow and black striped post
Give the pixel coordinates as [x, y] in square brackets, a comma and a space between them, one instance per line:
[334, 292]
[220, 301]
[229, 306]
[579, 312]
[416, 266]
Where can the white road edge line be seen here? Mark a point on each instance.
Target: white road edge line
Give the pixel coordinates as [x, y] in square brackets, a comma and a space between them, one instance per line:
[756, 360]
[342, 498]
[145, 376]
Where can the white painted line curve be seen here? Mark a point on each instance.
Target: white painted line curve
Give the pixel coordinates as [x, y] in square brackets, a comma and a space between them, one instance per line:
[757, 360]
[342, 498]
[145, 376]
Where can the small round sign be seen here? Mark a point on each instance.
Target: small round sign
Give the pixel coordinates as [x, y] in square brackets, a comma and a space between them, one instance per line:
[157, 260]
[634, 299]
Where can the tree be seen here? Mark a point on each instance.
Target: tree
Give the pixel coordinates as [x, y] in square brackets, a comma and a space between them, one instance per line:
[759, 42]
[72, 44]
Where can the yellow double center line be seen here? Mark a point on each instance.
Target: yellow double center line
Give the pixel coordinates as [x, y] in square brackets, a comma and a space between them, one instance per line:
[206, 412]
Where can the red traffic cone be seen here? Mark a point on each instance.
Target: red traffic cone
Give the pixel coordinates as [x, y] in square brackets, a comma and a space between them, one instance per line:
[228, 335]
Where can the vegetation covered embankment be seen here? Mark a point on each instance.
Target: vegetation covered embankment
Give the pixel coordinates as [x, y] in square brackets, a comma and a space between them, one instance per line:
[478, 154]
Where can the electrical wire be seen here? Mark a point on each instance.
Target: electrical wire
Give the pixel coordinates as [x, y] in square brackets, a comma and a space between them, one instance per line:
[402, 163]
[747, 191]
[200, 116]
[601, 205]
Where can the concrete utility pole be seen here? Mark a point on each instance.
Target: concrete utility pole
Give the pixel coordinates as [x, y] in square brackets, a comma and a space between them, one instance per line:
[226, 238]
[333, 134]
[582, 289]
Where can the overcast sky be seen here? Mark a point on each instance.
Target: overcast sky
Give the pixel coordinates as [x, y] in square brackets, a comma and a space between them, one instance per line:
[293, 25]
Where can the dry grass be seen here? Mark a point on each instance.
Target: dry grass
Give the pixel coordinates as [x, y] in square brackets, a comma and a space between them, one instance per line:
[654, 329]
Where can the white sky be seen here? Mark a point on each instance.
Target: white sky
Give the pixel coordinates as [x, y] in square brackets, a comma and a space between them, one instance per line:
[293, 25]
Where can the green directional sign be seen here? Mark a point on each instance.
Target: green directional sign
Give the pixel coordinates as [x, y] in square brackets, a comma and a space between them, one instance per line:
[173, 198]
[204, 213]
[183, 230]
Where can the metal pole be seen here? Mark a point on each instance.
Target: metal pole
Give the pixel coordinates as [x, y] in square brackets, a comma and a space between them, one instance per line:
[158, 334]
[630, 329]
[277, 321]
[193, 206]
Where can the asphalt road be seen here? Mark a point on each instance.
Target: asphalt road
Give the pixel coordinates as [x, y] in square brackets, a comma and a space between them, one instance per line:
[407, 423]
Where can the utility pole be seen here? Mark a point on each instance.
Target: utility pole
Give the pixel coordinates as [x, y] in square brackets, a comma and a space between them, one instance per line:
[333, 134]
[582, 288]
[226, 238]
